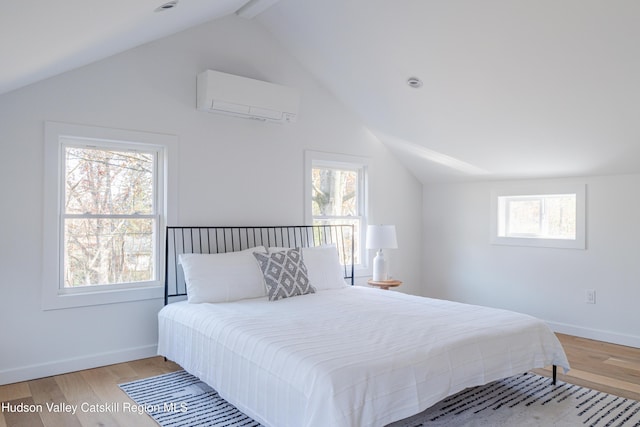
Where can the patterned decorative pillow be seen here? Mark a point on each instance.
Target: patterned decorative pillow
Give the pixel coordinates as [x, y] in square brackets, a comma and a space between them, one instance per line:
[285, 274]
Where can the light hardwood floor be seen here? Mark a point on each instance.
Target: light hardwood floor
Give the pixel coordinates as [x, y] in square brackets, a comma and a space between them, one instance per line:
[602, 366]
[607, 367]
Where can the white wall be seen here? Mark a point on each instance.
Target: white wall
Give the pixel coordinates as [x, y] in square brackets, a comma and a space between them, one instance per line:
[460, 264]
[231, 172]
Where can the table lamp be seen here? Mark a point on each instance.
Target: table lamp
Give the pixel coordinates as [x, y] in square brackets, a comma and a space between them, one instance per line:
[381, 237]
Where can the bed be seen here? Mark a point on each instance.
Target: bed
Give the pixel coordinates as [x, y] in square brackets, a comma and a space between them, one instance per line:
[341, 355]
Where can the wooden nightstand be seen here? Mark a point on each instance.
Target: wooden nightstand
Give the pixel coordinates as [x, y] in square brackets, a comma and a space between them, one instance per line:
[384, 284]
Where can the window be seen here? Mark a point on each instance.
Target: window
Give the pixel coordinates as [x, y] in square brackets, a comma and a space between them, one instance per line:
[105, 211]
[109, 216]
[550, 218]
[336, 194]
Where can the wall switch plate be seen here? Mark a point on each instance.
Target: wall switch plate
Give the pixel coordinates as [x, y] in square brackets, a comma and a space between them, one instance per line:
[590, 296]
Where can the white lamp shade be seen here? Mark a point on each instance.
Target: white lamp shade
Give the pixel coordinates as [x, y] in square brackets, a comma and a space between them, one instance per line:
[381, 237]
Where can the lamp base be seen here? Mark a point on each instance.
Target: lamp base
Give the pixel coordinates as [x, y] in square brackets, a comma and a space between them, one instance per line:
[379, 267]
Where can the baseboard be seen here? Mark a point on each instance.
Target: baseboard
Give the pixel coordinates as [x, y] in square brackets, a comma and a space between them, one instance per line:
[30, 372]
[596, 334]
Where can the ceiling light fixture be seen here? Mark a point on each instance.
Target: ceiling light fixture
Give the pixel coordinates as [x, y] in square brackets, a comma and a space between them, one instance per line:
[414, 82]
[168, 5]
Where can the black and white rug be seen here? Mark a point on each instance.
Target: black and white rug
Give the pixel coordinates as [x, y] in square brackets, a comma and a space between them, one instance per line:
[528, 400]
[180, 399]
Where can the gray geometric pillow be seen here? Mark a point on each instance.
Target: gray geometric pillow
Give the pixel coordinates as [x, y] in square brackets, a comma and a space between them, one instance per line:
[285, 274]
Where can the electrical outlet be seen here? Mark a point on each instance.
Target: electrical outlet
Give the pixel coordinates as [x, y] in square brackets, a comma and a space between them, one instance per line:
[590, 296]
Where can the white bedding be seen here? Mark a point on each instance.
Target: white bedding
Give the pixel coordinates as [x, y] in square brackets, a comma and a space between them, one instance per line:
[349, 357]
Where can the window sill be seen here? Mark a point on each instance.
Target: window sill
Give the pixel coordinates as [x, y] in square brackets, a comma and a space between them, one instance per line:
[56, 301]
[540, 243]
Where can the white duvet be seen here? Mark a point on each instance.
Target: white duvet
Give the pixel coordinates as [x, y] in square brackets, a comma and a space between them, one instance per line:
[349, 357]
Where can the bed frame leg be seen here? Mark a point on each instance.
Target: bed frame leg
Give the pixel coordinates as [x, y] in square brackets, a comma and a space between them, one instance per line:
[555, 375]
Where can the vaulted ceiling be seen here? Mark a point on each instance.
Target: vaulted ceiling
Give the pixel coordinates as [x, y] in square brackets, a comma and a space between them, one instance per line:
[511, 89]
[39, 39]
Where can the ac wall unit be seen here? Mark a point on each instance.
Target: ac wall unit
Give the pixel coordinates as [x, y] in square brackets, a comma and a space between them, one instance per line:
[243, 97]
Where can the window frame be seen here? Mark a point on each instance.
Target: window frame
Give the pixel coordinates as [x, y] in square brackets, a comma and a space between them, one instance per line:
[540, 190]
[346, 162]
[58, 136]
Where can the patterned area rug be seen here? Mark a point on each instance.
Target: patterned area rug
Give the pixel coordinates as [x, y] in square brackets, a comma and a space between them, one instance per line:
[529, 400]
[180, 399]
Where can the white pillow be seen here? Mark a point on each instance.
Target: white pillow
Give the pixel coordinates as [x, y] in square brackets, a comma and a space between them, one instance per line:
[323, 267]
[222, 277]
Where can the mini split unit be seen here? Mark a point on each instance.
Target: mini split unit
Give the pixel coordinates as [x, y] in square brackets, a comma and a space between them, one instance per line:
[248, 98]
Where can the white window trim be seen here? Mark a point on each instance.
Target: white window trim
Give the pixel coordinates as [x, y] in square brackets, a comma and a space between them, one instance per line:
[54, 296]
[347, 161]
[541, 189]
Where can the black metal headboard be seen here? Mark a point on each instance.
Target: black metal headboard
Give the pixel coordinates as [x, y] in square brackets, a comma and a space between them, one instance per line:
[212, 240]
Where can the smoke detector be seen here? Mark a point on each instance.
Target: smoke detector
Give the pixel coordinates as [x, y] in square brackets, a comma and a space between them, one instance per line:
[414, 82]
[168, 5]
